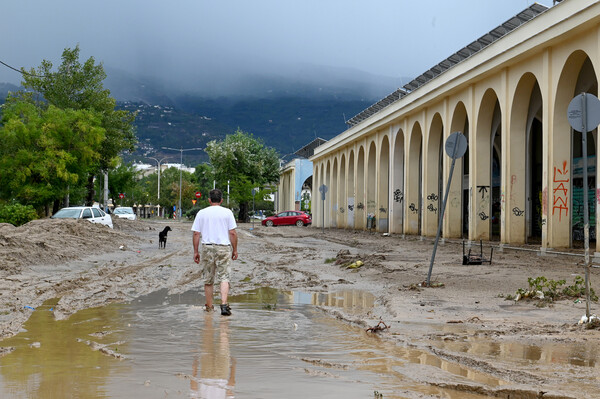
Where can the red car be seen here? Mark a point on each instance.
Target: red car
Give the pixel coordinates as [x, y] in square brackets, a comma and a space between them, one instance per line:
[299, 218]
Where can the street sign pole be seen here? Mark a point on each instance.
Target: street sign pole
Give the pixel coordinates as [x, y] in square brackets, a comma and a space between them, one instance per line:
[456, 146]
[323, 190]
[583, 114]
[586, 217]
[253, 211]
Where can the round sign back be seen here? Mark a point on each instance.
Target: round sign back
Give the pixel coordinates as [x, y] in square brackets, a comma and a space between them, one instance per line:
[456, 145]
[592, 112]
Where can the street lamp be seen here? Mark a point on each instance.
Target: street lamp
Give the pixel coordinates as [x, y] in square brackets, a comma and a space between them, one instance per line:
[181, 150]
[158, 161]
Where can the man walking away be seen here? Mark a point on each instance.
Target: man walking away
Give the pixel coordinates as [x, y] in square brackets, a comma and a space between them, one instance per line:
[216, 225]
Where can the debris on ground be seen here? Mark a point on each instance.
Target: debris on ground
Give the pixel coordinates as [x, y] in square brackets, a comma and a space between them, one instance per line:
[379, 327]
[431, 284]
[591, 322]
[346, 260]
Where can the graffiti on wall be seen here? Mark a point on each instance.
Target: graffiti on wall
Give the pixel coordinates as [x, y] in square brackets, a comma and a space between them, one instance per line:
[360, 205]
[413, 208]
[483, 204]
[398, 195]
[433, 197]
[483, 190]
[513, 180]
[560, 191]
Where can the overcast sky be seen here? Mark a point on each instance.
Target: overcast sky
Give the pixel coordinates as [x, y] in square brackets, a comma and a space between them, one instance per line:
[194, 40]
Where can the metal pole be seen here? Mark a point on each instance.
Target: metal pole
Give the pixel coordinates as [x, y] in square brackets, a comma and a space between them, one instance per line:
[439, 232]
[158, 193]
[180, 168]
[586, 218]
[323, 213]
[105, 194]
[181, 150]
[228, 197]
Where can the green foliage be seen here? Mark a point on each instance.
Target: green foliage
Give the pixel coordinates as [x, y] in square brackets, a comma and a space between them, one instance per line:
[46, 153]
[577, 290]
[17, 214]
[546, 291]
[61, 133]
[246, 163]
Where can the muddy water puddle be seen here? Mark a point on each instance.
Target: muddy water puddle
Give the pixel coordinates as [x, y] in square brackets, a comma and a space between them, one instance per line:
[276, 344]
[458, 338]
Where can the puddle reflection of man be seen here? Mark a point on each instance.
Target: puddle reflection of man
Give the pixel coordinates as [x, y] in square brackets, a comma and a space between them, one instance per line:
[217, 367]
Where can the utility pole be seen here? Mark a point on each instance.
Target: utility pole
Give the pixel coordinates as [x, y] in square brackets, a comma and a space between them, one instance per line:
[181, 150]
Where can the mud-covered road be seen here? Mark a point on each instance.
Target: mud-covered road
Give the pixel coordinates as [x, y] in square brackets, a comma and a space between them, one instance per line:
[466, 321]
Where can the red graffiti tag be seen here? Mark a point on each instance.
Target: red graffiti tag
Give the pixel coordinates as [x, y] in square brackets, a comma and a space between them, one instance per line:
[560, 201]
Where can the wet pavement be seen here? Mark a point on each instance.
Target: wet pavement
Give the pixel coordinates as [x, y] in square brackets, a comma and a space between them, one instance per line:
[276, 344]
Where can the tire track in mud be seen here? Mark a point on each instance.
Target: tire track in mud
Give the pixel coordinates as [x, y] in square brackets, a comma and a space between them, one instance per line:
[117, 283]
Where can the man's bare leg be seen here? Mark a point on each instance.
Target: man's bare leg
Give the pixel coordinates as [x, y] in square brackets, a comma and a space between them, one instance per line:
[224, 291]
[208, 293]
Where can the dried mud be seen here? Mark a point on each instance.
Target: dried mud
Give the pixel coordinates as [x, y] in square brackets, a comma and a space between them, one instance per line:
[88, 265]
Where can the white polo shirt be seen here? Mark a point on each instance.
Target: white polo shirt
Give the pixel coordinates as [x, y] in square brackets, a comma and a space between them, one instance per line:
[214, 223]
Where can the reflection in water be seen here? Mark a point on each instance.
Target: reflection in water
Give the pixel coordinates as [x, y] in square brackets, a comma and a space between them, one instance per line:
[552, 354]
[61, 366]
[346, 299]
[276, 345]
[216, 379]
[349, 299]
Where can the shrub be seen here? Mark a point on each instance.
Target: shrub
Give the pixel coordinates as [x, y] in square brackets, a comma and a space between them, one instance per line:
[17, 214]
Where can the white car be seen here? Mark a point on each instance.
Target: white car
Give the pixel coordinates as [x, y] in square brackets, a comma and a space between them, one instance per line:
[94, 215]
[124, 212]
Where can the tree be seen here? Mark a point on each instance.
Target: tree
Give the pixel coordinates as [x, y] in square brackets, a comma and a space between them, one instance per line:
[79, 86]
[122, 179]
[246, 163]
[204, 178]
[46, 152]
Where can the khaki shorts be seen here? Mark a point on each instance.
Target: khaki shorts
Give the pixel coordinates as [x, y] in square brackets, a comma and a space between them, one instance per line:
[215, 260]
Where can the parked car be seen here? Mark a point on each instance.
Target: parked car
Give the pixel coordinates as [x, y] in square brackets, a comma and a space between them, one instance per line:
[125, 212]
[94, 215]
[299, 218]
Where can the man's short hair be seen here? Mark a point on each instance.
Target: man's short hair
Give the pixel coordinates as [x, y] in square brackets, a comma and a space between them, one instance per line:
[215, 195]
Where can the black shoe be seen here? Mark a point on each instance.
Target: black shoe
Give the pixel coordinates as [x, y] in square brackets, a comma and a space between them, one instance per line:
[225, 310]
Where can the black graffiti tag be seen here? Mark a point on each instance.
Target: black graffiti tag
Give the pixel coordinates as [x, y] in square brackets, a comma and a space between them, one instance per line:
[517, 211]
[360, 205]
[483, 190]
[350, 208]
[431, 208]
[413, 208]
[382, 210]
[398, 195]
[483, 216]
[432, 197]
[342, 210]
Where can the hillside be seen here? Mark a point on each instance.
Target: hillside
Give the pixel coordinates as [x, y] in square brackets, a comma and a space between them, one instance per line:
[286, 113]
[285, 124]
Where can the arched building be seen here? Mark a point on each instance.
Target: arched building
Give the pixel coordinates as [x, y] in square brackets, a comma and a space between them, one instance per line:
[507, 92]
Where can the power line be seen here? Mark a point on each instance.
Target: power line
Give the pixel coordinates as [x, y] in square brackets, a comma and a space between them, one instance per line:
[18, 70]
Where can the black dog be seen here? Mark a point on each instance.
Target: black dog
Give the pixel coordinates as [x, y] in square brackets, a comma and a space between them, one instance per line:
[162, 237]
